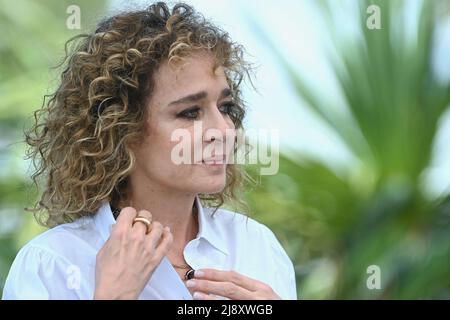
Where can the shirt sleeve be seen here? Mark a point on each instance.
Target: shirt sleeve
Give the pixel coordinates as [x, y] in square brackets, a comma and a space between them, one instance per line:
[39, 274]
[283, 267]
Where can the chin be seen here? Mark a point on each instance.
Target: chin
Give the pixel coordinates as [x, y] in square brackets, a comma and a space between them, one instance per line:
[209, 185]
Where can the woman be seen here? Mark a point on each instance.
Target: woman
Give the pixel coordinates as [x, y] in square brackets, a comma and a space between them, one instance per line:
[126, 217]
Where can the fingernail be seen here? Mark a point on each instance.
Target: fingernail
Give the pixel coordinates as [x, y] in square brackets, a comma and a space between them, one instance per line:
[190, 283]
[198, 273]
[197, 296]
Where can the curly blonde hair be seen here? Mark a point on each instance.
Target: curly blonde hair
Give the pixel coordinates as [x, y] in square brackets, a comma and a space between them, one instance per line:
[81, 137]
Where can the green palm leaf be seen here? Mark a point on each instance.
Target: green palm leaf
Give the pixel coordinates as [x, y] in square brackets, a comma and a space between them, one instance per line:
[336, 226]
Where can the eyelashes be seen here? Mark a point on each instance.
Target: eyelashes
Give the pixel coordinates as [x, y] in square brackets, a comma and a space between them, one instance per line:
[190, 114]
[229, 108]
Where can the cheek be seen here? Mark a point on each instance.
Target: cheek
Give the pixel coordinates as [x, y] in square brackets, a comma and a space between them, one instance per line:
[160, 148]
[159, 141]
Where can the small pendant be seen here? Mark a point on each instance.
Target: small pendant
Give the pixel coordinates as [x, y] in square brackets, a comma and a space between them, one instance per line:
[189, 274]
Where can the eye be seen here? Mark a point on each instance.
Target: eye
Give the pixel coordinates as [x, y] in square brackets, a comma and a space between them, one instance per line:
[229, 108]
[191, 113]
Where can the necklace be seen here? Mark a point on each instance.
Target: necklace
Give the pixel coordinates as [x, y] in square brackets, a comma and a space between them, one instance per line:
[184, 266]
[190, 272]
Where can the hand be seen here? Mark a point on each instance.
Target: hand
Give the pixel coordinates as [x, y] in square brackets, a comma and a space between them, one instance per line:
[216, 284]
[129, 257]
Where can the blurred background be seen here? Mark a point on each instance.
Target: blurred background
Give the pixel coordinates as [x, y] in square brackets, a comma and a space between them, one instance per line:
[359, 92]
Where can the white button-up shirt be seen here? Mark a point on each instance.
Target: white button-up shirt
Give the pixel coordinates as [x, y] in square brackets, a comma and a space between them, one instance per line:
[60, 262]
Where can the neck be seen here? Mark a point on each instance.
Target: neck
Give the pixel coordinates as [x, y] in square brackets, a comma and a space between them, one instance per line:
[168, 207]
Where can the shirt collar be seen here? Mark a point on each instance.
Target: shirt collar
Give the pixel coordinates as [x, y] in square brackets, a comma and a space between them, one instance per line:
[208, 228]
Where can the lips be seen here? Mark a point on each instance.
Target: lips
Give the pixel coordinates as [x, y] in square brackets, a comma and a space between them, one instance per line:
[214, 160]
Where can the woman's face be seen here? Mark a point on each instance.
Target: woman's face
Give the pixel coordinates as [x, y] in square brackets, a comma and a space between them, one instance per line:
[184, 133]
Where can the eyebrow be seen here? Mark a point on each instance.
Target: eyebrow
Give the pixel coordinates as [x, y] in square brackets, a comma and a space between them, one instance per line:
[199, 96]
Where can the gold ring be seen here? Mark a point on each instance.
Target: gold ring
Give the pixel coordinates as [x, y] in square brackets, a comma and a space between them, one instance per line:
[145, 221]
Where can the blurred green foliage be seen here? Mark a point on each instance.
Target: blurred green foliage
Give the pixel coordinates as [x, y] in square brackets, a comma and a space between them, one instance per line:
[33, 34]
[333, 225]
[376, 213]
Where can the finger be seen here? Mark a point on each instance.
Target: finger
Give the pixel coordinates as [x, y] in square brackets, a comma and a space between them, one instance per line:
[230, 276]
[224, 289]
[126, 217]
[156, 232]
[139, 226]
[204, 296]
[164, 246]
[123, 223]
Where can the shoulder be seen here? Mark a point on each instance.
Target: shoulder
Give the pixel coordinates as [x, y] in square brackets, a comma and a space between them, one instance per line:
[57, 241]
[41, 267]
[256, 244]
[33, 270]
[249, 234]
[66, 243]
[64, 237]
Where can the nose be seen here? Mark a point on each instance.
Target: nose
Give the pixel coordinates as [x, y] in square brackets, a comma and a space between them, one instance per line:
[218, 126]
